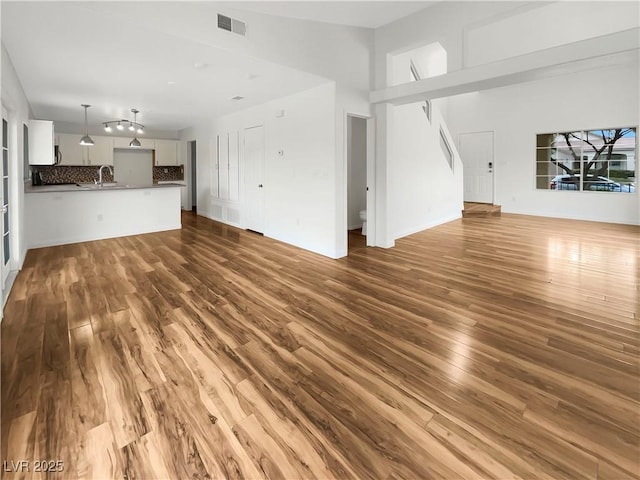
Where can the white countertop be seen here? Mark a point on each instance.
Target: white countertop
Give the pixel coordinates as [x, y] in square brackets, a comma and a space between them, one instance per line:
[90, 187]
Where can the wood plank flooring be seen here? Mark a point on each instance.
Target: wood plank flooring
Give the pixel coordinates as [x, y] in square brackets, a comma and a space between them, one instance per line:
[485, 348]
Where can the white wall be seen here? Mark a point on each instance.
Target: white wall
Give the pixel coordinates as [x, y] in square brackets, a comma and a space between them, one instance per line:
[467, 30]
[540, 25]
[444, 22]
[477, 32]
[15, 101]
[336, 52]
[356, 170]
[57, 218]
[573, 102]
[423, 191]
[300, 187]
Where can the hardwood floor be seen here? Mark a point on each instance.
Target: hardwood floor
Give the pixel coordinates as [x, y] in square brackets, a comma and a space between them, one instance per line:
[356, 240]
[491, 348]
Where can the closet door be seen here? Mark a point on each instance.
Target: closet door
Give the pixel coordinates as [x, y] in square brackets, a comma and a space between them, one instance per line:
[234, 164]
[223, 166]
[254, 178]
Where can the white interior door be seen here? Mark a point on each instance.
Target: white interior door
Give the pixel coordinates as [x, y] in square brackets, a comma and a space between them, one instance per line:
[4, 197]
[476, 152]
[254, 178]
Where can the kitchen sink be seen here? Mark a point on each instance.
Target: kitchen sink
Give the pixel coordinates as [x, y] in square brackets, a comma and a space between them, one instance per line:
[96, 186]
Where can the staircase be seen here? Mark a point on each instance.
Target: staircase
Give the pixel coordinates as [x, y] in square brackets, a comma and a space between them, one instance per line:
[480, 210]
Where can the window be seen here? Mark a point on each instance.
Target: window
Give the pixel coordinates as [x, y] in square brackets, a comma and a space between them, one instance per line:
[446, 149]
[426, 108]
[589, 160]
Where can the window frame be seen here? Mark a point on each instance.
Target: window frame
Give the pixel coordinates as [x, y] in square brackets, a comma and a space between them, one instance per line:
[444, 144]
[584, 158]
[426, 108]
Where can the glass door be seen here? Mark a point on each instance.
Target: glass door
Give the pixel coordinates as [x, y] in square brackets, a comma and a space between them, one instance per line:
[4, 197]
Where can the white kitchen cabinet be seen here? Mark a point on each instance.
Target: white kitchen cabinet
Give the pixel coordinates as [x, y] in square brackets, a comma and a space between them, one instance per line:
[123, 142]
[166, 152]
[102, 151]
[41, 142]
[70, 149]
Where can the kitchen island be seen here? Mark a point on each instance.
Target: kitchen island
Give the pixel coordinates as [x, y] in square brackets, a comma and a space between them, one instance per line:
[61, 214]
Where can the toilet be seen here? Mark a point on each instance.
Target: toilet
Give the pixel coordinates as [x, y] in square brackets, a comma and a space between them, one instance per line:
[363, 217]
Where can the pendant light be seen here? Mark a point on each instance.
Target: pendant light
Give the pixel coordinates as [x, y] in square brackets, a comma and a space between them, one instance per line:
[135, 143]
[87, 141]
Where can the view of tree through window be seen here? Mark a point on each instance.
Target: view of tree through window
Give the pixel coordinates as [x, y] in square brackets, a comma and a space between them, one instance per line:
[590, 160]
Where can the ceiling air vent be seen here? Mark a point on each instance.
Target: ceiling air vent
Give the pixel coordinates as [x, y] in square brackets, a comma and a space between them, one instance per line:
[232, 25]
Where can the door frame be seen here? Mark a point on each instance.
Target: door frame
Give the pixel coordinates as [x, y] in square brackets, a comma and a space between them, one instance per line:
[191, 176]
[371, 179]
[493, 160]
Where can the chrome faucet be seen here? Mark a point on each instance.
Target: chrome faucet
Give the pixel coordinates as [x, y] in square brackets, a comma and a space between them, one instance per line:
[100, 182]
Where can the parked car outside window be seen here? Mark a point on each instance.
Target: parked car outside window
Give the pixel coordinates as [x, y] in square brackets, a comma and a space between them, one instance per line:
[592, 183]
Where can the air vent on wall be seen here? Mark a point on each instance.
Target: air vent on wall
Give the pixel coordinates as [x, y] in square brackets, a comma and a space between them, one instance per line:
[231, 25]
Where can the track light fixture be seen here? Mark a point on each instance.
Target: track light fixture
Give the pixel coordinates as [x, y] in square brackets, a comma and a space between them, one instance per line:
[121, 124]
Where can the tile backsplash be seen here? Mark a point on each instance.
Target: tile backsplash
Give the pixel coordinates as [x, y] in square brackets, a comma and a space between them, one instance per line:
[52, 174]
[173, 172]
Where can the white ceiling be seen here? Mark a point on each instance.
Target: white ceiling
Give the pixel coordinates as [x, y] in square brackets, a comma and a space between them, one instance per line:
[357, 14]
[69, 53]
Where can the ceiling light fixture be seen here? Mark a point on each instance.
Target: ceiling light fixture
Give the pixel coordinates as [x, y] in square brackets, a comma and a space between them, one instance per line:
[120, 125]
[86, 140]
[135, 143]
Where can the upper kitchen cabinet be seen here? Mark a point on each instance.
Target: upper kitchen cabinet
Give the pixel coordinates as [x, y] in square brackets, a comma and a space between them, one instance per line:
[102, 151]
[71, 152]
[41, 142]
[123, 142]
[167, 152]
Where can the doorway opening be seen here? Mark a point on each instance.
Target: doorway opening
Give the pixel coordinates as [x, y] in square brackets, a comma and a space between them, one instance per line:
[356, 182]
[194, 176]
